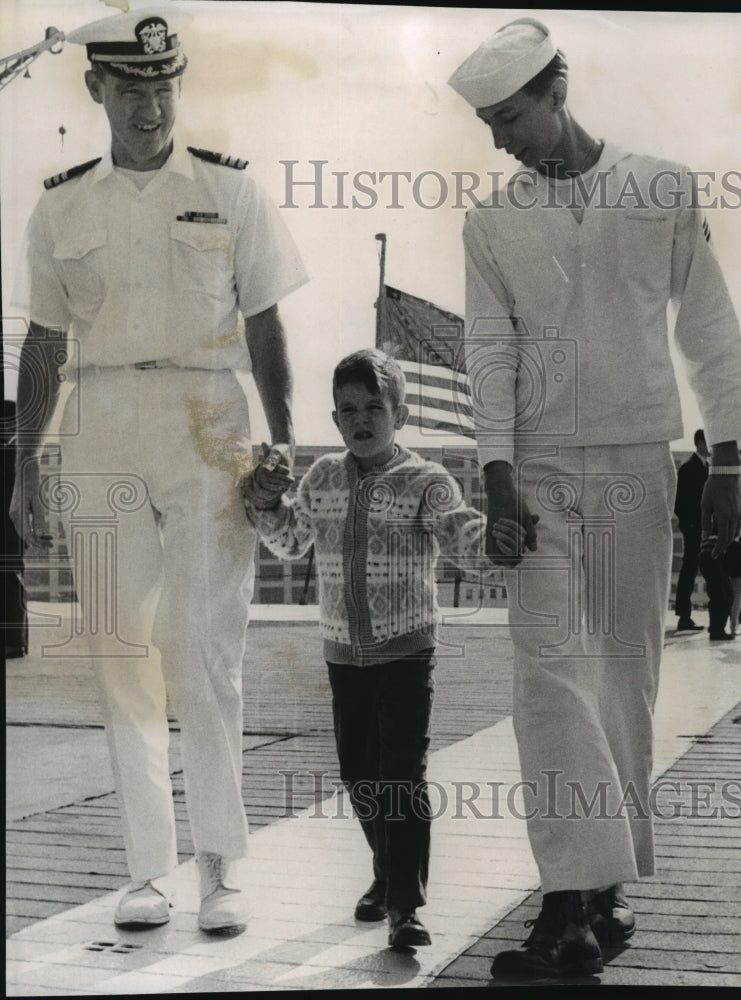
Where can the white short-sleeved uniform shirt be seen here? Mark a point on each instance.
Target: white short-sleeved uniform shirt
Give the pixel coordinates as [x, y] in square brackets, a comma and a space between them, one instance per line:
[161, 273]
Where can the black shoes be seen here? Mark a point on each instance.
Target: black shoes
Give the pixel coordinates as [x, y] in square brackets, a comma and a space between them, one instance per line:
[687, 625]
[372, 904]
[611, 917]
[406, 930]
[714, 634]
[561, 943]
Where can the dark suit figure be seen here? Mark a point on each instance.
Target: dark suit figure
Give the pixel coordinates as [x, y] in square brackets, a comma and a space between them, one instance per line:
[691, 478]
[15, 619]
[718, 586]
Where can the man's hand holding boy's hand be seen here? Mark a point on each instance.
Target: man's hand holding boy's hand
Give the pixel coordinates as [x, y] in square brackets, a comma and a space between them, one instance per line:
[509, 541]
[270, 479]
[510, 527]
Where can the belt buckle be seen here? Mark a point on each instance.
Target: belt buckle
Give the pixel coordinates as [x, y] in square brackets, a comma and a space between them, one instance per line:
[143, 365]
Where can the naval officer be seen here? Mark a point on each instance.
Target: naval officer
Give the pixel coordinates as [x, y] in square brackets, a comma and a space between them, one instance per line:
[164, 264]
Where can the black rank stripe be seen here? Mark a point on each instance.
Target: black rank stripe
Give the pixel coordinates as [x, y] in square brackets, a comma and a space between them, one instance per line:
[66, 175]
[212, 218]
[221, 158]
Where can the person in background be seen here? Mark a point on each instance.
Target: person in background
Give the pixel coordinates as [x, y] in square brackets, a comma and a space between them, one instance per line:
[691, 478]
[732, 566]
[15, 626]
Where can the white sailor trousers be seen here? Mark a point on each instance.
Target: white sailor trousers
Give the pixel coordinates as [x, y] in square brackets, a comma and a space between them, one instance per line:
[162, 558]
[586, 614]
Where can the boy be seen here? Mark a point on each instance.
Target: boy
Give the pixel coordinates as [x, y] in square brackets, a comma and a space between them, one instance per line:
[378, 516]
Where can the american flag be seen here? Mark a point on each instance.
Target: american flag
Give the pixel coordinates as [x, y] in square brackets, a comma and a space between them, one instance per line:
[428, 344]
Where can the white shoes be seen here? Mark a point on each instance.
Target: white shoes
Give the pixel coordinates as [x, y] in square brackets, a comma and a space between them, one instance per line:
[142, 906]
[223, 904]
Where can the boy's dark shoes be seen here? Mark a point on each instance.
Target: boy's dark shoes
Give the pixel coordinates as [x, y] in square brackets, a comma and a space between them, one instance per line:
[610, 916]
[372, 904]
[406, 930]
[561, 943]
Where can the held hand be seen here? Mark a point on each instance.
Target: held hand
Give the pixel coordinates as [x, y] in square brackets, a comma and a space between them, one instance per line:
[28, 512]
[721, 499]
[277, 456]
[506, 508]
[511, 538]
[270, 479]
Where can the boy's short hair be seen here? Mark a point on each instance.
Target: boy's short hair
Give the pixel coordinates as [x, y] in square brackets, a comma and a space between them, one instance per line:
[378, 372]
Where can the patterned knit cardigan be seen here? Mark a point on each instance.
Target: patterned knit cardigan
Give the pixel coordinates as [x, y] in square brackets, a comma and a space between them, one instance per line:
[377, 537]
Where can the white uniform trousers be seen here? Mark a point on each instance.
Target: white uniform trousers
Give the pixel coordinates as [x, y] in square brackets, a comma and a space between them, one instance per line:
[586, 613]
[162, 557]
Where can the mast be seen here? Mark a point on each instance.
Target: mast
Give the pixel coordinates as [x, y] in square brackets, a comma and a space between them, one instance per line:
[13, 66]
[381, 300]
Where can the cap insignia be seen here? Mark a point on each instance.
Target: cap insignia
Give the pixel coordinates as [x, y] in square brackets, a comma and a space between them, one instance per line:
[152, 34]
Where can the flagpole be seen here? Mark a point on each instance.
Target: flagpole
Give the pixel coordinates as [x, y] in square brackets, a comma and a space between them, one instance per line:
[380, 301]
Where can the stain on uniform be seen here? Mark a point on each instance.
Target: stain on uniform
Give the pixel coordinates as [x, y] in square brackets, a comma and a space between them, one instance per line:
[230, 453]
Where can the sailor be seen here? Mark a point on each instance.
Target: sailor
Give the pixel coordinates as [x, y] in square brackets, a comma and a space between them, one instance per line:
[569, 272]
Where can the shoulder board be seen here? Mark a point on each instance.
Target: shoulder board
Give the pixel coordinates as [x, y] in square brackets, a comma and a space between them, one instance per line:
[66, 175]
[220, 158]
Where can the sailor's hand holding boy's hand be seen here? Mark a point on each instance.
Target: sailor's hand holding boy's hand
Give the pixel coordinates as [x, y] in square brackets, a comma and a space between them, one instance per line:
[510, 538]
[506, 512]
[270, 478]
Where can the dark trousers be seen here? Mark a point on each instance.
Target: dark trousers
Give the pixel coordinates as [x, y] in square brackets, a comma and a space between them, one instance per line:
[720, 592]
[15, 619]
[688, 572]
[382, 727]
[15, 628]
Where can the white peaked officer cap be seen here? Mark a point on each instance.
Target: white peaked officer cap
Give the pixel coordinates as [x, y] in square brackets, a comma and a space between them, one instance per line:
[139, 45]
[504, 63]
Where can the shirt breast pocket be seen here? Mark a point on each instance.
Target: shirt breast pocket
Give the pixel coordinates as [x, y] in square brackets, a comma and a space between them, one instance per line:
[202, 258]
[82, 261]
[645, 242]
